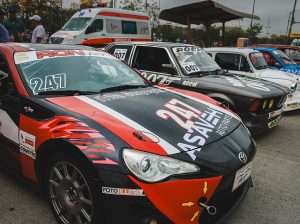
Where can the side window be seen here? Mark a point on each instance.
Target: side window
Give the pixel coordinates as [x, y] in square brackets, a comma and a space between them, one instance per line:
[121, 52]
[153, 59]
[7, 86]
[244, 66]
[129, 27]
[96, 26]
[269, 58]
[228, 61]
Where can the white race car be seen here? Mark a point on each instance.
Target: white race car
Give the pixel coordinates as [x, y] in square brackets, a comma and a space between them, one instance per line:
[250, 62]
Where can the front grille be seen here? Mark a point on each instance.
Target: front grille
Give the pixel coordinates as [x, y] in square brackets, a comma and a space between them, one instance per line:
[56, 40]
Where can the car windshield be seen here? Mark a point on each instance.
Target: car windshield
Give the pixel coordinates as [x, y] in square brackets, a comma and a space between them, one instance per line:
[65, 71]
[286, 59]
[78, 23]
[193, 59]
[258, 61]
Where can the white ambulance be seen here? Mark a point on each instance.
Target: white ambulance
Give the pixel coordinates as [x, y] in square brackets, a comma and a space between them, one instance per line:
[100, 26]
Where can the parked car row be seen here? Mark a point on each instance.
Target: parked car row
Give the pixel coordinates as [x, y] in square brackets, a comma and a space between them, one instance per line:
[99, 137]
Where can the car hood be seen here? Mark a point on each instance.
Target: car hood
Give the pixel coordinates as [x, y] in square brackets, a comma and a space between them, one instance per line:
[64, 34]
[240, 85]
[281, 77]
[159, 120]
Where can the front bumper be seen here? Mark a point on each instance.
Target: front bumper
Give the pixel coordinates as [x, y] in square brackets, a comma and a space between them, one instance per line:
[293, 102]
[258, 124]
[175, 201]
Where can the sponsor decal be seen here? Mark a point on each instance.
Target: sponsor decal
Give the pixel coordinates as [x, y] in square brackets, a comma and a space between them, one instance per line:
[221, 130]
[186, 49]
[275, 113]
[274, 123]
[160, 79]
[243, 157]
[189, 83]
[123, 95]
[27, 144]
[246, 82]
[48, 83]
[199, 125]
[123, 191]
[120, 54]
[23, 57]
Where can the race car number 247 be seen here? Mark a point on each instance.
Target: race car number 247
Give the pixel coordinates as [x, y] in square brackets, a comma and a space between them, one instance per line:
[48, 83]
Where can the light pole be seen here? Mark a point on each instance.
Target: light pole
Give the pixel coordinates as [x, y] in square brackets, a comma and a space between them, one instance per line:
[61, 13]
[252, 14]
[292, 20]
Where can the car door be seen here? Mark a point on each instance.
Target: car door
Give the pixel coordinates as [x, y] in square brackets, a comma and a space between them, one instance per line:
[155, 64]
[94, 31]
[9, 118]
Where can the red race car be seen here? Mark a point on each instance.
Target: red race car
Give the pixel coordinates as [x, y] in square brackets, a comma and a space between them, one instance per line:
[108, 147]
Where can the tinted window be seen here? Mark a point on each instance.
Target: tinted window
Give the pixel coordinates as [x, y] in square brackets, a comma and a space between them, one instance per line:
[151, 59]
[97, 26]
[121, 52]
[129, 27]
[228, 61]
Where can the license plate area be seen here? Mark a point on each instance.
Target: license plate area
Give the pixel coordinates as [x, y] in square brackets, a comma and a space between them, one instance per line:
[242, 175]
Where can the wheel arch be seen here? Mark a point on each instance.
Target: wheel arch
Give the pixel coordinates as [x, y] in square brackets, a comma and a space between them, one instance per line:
[221, 97]
[50, 148]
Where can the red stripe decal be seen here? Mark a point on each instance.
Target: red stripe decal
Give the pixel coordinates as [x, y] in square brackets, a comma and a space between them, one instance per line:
[123, 15]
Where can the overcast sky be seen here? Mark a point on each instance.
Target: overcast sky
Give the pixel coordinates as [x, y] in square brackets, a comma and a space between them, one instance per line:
[278, 10]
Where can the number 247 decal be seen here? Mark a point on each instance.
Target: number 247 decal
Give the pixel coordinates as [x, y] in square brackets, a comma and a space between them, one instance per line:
[48, 83]
[177, 111]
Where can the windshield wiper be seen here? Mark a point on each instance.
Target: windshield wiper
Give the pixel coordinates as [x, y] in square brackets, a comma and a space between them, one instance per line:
[67, 92]
[122, 87]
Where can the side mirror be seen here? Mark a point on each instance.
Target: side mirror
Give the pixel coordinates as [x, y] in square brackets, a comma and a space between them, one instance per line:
[168, 68]
[90, 29]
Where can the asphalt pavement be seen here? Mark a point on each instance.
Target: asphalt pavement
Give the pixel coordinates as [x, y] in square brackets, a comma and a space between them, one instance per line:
[275, 198]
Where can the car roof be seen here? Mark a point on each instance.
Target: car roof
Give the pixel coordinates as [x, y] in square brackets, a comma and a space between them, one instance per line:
[152, 44]
[266, 48]
[24, 47]
[245, 50]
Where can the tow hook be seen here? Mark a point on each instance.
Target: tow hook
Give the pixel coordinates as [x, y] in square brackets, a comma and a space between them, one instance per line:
[211, 210]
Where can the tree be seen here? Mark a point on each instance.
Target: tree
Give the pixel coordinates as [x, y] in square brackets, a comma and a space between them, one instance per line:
[253, 32]
[86, 3]
[149, 6]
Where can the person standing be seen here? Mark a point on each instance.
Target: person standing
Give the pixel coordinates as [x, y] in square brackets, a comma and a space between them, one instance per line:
[14, 26]
[4, 37]
[38, 34]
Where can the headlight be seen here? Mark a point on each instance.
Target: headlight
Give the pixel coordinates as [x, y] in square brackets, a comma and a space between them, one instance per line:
[69, 39]
[152, 168]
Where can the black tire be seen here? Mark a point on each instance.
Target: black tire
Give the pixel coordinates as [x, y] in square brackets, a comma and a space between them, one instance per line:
[73, 197]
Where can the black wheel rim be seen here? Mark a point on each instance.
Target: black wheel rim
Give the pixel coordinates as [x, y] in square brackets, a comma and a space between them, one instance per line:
[70, 194]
